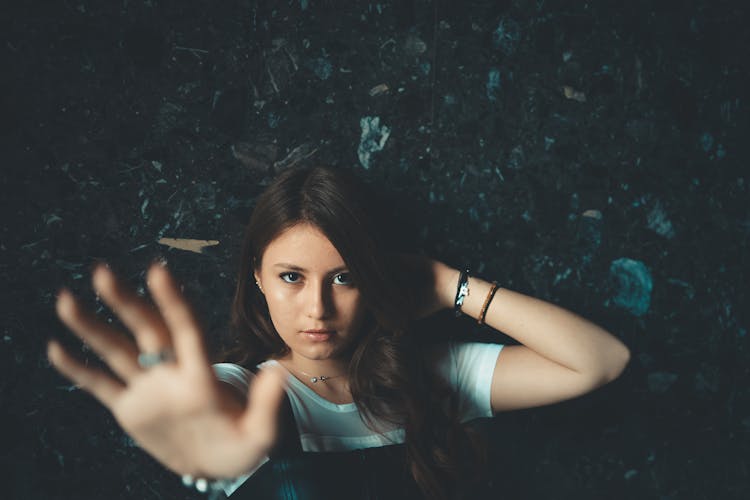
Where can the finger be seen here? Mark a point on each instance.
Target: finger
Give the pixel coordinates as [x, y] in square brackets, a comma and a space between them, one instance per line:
[138, 315]
[102, 386]
[263, 404]
[178, 316]
[112, 346]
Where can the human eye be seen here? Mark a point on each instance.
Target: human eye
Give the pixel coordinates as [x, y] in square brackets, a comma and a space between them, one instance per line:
[290, 277]
[343, 279]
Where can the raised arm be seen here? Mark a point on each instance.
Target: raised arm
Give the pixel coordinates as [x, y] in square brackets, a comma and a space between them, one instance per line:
[562, 354]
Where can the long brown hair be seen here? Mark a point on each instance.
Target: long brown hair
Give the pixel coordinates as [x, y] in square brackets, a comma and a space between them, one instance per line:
[388, 376]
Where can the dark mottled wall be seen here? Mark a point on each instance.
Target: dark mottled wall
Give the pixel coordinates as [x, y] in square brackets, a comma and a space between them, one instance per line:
[591, 154]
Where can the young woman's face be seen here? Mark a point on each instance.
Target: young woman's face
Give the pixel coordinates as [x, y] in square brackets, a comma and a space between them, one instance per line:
[314, 306]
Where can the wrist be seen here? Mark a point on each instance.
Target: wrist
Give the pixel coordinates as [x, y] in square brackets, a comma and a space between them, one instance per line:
[446, 283]
[205, 485]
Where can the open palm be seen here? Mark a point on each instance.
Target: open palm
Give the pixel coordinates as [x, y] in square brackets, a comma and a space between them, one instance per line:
[177, 411]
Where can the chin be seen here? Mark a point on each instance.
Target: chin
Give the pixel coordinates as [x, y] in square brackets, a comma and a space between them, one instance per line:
[319, 353]
[315, 352]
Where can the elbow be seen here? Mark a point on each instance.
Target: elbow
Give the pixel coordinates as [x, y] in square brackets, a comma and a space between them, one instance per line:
[619, 361]
[616, 362]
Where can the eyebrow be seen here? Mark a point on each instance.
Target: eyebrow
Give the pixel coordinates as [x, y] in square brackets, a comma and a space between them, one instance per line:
[301, 269]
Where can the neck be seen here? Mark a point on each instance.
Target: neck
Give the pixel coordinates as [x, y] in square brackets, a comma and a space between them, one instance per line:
[314, 367]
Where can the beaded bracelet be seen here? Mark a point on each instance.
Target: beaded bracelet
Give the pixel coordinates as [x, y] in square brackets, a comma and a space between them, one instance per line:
[487, 301]
[214, 488]
[461, 292]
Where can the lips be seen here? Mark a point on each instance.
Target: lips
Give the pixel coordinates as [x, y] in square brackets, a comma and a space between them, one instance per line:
[318, 335]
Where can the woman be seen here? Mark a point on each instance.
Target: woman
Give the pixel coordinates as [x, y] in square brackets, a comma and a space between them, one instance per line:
[324, 311]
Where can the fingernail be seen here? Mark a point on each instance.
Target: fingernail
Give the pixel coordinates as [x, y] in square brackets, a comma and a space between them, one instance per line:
[49, 346]
[97, 264]
[62, 293]
[160, 261]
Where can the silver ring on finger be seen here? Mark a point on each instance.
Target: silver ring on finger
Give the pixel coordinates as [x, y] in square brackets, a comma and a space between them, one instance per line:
[151, 359]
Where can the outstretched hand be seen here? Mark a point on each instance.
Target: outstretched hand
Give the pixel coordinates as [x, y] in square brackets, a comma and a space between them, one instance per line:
[176, 410]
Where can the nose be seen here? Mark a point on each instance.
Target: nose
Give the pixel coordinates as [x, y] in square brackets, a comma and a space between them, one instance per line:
[319, 304]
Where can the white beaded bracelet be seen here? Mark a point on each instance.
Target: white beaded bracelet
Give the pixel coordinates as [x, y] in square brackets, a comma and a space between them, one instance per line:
[462, 290]
[213, 487]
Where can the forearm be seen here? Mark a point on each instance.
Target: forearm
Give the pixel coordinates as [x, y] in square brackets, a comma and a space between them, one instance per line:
[553, 332]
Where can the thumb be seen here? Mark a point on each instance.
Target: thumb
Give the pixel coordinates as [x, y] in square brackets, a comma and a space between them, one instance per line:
[263, 403]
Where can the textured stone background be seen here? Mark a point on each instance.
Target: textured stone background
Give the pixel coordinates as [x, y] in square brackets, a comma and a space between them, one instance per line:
[590, 154]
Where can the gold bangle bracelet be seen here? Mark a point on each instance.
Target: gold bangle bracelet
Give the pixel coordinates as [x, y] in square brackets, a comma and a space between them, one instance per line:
[487, 301]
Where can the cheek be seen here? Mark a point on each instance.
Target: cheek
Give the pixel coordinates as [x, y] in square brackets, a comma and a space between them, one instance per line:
[354, 309]
[281, 309]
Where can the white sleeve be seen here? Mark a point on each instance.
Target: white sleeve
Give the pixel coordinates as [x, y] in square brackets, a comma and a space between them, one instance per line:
[235, 375]
[240, 378]
[469, 367]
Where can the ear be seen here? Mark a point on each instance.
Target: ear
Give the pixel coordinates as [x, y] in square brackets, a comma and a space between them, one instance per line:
[256, 276]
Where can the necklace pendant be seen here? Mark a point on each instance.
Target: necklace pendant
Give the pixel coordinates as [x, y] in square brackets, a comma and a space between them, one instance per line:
[323, 378]
[313, 379]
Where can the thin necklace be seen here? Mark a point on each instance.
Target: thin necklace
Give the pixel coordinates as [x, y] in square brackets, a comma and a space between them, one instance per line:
[320, 378]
